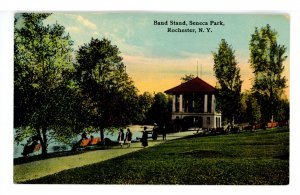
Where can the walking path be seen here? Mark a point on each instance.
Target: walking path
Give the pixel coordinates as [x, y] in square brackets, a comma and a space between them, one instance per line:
[41, 168]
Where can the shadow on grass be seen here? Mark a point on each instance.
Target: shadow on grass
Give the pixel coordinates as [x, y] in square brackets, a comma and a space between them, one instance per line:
[21, 160]
[200, 154]
[283, 157]
[190, 161]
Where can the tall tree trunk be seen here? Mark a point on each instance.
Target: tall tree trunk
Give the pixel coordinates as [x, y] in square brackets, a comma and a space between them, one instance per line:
[102, 135]
[44, 141]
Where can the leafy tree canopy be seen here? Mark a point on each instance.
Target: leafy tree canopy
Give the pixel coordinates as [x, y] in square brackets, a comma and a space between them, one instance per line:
[266, 58]
[160, 111]
[42, 68]
[187, 77]
[229, 80]
[108, 92]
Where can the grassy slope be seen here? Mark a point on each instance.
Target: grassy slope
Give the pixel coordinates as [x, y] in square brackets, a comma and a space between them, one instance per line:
[261, 157]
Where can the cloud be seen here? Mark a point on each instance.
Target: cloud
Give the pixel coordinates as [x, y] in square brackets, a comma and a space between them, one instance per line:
[96, 33]
[160, 74]
[287, 16]
[73, 29]
[86, 22]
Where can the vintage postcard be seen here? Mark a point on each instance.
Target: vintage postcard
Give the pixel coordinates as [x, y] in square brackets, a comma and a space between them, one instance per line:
[151, 98]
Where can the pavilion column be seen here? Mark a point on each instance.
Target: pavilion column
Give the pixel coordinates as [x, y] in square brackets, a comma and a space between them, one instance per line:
[212, 103]
[180, 103]
[205, 103]
[174, 104]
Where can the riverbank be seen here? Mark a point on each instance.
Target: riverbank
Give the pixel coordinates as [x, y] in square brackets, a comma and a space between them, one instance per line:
[56, 147]
[48, 166]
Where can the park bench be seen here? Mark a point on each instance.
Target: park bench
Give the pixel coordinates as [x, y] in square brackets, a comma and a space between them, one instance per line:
[272, 124]
[93, 143]
[88, 143]
[31, 148]
[37, 147]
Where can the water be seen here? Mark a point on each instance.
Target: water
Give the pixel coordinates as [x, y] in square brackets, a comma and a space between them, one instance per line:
[56, 146]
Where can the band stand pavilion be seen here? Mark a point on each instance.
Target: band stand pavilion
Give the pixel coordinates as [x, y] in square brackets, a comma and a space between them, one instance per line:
[195, 99]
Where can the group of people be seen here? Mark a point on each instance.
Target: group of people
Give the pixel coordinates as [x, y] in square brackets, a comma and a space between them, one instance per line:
[144, 139]
[157, 129]
[127, 139]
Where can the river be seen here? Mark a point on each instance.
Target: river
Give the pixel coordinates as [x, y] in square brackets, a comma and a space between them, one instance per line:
[56, 146]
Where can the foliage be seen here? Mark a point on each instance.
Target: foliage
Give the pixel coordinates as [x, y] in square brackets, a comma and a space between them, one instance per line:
[283, 110]
[229, 80]
[108, 93]
[266, 58]
[42, 65]
[253, 113]
[160, 110]
[253, 158]
[187, 77]
[145, 102]
[242, 114]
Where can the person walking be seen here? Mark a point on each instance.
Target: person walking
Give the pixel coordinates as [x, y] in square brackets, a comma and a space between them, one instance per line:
[121, 137]
[128, 138]
[145, 137]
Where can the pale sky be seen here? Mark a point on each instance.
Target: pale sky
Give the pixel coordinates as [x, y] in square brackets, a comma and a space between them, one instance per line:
[156, 59]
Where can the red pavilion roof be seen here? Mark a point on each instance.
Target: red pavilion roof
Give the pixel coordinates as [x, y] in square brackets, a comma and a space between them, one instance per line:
[195, 85]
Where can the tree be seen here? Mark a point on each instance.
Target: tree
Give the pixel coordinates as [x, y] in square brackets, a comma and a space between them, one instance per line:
[266, 58]
[108, 92]
[145, 102]
[160, 111]
[42, 66]
[253, 113]
[229, 81]
[187, 77]
[283, 111]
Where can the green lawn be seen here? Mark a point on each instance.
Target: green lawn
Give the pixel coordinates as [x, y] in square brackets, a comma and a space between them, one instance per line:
[260, 157]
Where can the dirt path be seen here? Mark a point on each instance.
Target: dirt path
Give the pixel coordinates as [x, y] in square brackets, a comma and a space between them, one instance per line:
[37, 169]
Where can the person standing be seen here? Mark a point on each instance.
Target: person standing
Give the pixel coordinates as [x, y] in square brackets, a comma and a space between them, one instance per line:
[154, 132]
[121, 137]
[164, 133]
[128, 137]
[145, 137]
[83, 136]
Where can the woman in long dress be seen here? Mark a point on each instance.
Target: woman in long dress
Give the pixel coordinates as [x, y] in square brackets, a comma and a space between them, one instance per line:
[145, 137]
[128, 137]
[121, 137]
